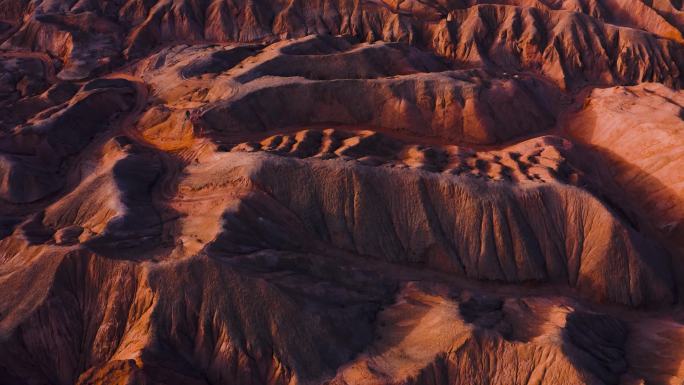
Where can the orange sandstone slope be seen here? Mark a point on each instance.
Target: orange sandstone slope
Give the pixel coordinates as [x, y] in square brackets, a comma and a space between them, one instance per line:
[341, 192]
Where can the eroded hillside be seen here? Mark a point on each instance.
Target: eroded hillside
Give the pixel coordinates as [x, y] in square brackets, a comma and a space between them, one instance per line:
[341, 192]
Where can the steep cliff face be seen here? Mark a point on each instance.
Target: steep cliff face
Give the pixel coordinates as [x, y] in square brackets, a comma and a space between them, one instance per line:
[341, 192]
[501, 233]
[573, 43]
[639, 132]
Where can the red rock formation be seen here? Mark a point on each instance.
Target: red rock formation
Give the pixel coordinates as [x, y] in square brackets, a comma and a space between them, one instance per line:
[341, 192]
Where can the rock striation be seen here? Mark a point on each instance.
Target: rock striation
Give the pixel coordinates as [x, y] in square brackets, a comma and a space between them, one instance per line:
[341, 192]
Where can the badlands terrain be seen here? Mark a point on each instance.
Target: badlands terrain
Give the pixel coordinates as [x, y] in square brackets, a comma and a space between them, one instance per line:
[342, 192]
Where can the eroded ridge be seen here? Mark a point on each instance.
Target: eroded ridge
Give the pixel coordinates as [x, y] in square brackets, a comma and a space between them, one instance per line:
[341, 192]
[538, 160]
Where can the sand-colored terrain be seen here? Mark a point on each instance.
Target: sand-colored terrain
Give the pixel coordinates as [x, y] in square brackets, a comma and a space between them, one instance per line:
[342, 192]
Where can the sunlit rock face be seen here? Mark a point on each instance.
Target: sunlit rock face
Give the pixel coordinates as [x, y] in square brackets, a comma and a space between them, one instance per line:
[341, 192]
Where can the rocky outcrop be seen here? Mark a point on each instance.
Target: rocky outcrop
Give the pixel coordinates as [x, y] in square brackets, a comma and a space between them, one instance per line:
[639, 132]
[33, 156]
[574, 49]
[341, 192]
[455, 224]
[454, 106]
[573, 43]
[118, 319]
